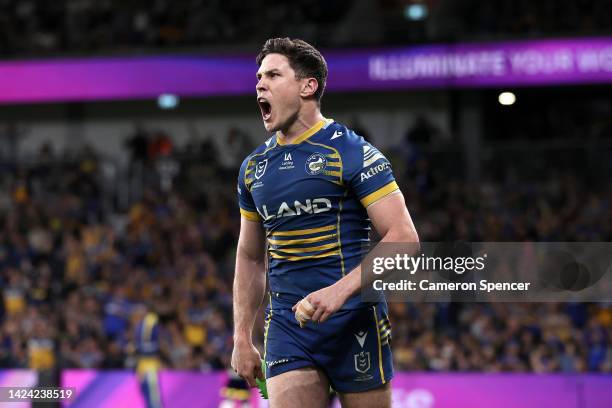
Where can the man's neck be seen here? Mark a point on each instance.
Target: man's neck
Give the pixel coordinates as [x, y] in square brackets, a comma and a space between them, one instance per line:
[304, 121]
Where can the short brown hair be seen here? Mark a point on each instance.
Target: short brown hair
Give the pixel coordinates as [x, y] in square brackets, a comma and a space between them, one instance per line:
[304, 59]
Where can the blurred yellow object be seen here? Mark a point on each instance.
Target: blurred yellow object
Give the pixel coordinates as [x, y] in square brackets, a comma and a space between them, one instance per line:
[40, 353]
[74, 265]
[14, 302]
[20, 195]
[88, 166]
[147, 365]
[604, 316]
[195, 334]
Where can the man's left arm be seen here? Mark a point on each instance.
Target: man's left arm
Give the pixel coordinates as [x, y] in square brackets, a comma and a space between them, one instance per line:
[393, 223]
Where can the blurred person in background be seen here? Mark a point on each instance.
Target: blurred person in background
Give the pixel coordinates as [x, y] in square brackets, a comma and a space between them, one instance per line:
[147, 343]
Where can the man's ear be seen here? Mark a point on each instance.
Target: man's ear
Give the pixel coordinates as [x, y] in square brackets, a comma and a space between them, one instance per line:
[308, 87]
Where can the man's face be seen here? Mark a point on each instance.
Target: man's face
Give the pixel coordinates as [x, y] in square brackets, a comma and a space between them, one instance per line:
[278, 92]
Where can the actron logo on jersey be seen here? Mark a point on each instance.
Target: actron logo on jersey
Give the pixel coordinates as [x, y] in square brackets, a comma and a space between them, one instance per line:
[309, 206]
[374, 170]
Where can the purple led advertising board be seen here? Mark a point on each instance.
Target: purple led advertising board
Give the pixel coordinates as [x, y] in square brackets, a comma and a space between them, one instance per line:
[20, 379]
[115, 389]
[501, 390]
[519, 63]
[121, 389]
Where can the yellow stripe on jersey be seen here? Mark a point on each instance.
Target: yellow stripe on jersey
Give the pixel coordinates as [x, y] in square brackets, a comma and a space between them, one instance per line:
[249, 168]
[301, 241]
[333, 164]
[266, 329]
[305, 249]
[150, 321]
[305, 257]
[378, 194]
[380, 365]
[338, 227]
[304, 135]
[307, 231]
[250, 215]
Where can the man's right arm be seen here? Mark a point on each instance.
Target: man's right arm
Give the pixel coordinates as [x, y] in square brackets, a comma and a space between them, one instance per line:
[249, 291]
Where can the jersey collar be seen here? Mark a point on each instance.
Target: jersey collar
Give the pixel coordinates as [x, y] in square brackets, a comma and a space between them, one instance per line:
[306, 134]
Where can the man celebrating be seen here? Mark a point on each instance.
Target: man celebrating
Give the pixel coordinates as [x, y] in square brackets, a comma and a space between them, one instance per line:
[307, 196]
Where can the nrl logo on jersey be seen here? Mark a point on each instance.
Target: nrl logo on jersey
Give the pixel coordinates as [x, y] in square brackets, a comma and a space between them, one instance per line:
[314, 206]
[260, 168]
[362, 362]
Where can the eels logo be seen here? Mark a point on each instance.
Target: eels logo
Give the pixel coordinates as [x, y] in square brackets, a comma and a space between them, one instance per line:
[315, 164]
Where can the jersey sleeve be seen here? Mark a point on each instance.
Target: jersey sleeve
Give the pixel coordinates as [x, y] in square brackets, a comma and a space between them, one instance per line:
[245, 199]
[368, 172]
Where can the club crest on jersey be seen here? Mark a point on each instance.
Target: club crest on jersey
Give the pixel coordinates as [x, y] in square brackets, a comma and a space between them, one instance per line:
[260, 168]
[315, 164]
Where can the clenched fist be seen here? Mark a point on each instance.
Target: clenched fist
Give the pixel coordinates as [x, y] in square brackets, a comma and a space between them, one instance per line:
[304, 312]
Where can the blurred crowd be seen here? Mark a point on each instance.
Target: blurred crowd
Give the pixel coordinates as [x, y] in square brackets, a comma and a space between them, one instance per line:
[502, 337]
[38, 27]
[548, 18]
[73, 276]
[76, 274]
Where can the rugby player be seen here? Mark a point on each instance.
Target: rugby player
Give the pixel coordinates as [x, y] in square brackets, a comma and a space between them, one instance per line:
[307, 198]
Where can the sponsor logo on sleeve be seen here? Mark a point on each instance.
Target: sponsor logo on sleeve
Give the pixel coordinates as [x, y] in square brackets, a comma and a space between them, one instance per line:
[374, 170]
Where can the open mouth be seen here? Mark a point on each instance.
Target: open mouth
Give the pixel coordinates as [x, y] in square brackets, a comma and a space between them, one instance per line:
[265, 107]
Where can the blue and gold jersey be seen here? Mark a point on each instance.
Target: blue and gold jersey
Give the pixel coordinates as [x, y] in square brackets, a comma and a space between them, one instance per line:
[311, 197]
[147, 335]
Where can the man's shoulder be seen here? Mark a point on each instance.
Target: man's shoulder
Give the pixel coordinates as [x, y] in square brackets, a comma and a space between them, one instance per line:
[261, 149]
[340, 137]
[349, 145]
